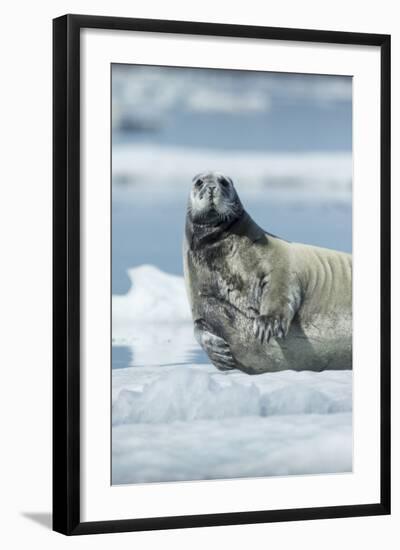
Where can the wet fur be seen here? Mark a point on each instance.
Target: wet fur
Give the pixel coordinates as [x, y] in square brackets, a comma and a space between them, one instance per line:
[275, 305]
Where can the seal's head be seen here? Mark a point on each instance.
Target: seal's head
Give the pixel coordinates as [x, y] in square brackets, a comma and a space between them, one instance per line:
[213, 199]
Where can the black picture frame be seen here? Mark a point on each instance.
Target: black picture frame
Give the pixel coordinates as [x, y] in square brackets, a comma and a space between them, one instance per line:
[66, 273]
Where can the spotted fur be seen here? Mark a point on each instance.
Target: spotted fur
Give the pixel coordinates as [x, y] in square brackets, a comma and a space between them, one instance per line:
[260, 303]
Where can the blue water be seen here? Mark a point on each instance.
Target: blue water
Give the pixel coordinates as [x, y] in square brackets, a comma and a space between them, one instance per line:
[121, 357]
[124, 357]
[309, 131]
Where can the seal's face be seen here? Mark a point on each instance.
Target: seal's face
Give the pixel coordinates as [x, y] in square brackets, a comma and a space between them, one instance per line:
[213, 199]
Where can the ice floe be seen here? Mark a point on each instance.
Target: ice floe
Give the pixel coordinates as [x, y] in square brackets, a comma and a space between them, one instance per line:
[289, 176]
[175, 418]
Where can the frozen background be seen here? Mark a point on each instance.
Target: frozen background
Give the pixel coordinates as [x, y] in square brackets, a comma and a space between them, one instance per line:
[286, 142]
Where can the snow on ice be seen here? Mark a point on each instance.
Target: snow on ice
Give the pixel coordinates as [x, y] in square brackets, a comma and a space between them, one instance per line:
[175, 419]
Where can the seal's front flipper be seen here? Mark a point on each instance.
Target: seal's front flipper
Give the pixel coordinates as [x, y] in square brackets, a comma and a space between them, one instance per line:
[216, 348]
[267, 326]
[279, 301]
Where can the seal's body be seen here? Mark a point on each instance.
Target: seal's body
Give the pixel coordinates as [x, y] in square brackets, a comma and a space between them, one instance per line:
[259, 303]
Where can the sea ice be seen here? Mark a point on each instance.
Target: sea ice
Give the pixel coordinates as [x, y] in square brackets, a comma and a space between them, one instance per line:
[289, 176]
[175, 419]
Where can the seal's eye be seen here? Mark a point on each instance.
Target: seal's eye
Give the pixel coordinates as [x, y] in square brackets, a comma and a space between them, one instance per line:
[224, 182]
[199, 183]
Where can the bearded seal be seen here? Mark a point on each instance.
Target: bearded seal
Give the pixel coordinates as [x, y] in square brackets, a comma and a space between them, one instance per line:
[260, 303]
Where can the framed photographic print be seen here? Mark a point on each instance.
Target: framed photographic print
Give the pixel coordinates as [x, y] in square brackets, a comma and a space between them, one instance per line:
[219, 358]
